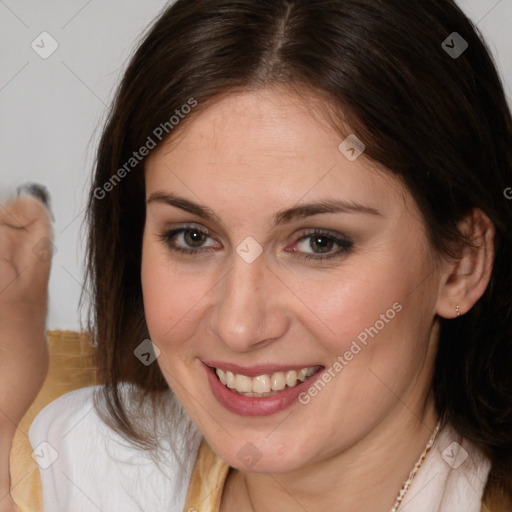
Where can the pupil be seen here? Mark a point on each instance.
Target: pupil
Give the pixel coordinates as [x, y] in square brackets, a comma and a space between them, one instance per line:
[322, 243]
[194, 238]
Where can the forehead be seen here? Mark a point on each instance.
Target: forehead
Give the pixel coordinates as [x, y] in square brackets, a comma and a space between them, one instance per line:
[273, 122]
[267, 147]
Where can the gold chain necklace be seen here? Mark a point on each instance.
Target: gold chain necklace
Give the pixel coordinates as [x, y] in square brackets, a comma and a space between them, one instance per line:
[415, 469]
[407, 483]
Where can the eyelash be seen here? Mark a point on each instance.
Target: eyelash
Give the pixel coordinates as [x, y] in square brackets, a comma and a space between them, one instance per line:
[343, 242]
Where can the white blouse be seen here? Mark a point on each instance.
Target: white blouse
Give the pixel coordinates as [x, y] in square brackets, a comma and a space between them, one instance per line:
[86, 467]
[452, 477]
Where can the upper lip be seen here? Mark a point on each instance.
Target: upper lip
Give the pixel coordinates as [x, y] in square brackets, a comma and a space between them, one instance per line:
[254, 371]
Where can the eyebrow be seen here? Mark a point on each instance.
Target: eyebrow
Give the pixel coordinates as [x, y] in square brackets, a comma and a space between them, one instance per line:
[296, 212]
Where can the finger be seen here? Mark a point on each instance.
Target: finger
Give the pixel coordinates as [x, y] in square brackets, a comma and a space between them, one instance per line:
[26, 243]
[26, 231]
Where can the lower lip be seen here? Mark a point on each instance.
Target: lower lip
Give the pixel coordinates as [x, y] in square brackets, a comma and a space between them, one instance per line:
[253, 405]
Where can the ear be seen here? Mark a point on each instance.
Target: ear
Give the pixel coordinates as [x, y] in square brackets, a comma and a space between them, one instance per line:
[465, 278]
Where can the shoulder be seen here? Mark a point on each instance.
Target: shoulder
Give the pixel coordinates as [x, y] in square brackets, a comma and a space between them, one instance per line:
[53, 420]
[452, 476]
[84, 464]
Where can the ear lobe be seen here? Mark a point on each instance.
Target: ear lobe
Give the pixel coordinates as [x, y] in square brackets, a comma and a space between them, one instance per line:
[465, 278]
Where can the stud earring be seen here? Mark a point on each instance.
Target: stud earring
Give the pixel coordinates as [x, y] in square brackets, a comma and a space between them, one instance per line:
[457, 309]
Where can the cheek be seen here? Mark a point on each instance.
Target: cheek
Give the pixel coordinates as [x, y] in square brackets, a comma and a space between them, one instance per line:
[354, 304]
[368, 302]
[376, 315]
[172, 300]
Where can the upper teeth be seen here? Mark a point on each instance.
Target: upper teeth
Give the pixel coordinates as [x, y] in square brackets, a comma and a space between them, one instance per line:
[255, 386]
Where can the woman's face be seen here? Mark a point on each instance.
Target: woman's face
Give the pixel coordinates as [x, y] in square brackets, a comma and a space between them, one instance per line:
[268, 250]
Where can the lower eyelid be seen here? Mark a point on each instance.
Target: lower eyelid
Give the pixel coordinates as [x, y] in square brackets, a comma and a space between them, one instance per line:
[339, 251]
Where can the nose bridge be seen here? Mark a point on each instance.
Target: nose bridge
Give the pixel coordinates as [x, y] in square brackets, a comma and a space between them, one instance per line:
[246, 312]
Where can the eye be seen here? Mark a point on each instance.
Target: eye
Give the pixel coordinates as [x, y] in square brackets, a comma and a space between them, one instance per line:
[322, 244]
[317, 244]
[188, 240]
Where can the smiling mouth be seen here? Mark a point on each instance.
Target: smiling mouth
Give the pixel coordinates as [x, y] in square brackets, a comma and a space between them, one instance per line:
[266, 384]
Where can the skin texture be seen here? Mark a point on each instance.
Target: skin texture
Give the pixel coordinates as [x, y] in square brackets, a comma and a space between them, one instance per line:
[247, 157]
[24, 274]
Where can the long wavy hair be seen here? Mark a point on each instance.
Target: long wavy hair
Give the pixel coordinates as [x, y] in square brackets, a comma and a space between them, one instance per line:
[438, 120]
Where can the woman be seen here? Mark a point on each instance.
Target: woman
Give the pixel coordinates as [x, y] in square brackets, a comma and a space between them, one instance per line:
[301, 205]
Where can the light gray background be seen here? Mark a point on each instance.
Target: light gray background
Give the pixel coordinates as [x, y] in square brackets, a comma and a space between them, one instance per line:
[52, 109]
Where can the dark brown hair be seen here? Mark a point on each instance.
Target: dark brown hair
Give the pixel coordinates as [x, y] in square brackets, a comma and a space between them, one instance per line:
[440, 123]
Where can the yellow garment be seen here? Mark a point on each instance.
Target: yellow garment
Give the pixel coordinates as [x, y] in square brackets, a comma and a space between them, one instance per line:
[70, 368]
[207, 481]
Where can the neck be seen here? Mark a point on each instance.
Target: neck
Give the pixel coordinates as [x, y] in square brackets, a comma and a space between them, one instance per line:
[367, 476]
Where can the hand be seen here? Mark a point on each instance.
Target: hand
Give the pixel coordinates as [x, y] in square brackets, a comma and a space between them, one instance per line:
[25, 257]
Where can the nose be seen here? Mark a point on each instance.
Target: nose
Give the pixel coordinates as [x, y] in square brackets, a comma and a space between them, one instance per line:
[250, 308]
